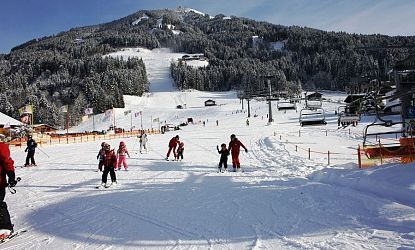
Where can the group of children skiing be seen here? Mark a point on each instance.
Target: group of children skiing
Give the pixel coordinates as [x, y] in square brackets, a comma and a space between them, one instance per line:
[109, 161]
[233, 149]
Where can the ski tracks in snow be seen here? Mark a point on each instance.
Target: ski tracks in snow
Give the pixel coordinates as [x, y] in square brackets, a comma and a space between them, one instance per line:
[271, 156]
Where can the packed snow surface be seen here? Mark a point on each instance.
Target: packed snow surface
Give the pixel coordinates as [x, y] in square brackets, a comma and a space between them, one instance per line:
[281, 200]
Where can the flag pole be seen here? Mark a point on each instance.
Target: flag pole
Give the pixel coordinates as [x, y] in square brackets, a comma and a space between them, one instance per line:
[113, 124]
[141, 117]
[131, 127]
[31, 115]
[151, 117]
[67, 124]
[93, 121]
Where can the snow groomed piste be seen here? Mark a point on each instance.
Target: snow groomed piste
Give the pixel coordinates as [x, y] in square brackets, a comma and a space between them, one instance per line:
[282, 200]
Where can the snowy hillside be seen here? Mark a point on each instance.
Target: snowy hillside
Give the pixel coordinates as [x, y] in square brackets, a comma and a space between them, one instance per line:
[281, 200]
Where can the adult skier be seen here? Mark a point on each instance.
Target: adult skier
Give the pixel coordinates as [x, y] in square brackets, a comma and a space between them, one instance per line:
[234, 147]
[172, 146]
[6, 169]
[30, 149]
[110, 163]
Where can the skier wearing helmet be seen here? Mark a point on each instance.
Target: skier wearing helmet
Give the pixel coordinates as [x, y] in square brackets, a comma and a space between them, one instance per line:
[110, 163]
[234, 147]
[122, 153]
[30, 149]
[172, 146]
[101, 156]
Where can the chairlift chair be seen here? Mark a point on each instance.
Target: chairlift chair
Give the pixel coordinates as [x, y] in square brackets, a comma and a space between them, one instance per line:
[314, 104]
[312, 117]
[403, 147]
[286, 105]
[345, 118]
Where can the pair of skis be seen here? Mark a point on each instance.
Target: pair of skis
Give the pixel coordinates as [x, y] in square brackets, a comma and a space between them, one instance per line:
[12, 236]
[106, 186]
[30, 165]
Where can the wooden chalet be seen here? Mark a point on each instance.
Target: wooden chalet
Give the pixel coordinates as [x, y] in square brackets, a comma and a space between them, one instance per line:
[210, 102]
[316, 96]
[44, 129]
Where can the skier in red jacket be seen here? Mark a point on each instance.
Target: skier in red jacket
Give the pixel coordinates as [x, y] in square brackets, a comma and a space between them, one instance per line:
[110, 163]
[6, 169]
[234, 147]
[172, 146]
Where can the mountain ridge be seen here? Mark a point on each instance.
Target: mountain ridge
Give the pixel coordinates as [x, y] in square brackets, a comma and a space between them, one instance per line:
[69, 68]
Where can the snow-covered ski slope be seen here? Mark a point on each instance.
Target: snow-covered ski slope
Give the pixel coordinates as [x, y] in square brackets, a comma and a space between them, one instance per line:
[281, 200]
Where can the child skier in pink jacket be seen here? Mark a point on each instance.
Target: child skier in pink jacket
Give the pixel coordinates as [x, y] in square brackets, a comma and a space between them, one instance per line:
[122, 153]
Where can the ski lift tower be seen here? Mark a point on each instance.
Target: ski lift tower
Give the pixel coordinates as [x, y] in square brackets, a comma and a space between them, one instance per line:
[404, 76]
[248, 96]
[269, 99]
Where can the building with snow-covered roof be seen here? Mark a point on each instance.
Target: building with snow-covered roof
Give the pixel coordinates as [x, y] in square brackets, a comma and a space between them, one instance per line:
[210, 102]
[314, 96]
[44, 128]
[6, 121]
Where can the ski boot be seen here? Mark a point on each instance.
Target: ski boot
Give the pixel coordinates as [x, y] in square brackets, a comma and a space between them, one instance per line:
[5, 233]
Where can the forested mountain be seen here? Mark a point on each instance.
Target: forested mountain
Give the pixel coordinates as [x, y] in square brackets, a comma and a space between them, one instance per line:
[70, 67]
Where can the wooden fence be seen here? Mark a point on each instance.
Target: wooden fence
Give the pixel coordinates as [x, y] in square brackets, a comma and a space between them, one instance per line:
[44, 140]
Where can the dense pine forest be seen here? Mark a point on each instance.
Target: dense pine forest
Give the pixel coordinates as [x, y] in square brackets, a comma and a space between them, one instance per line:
[70, 68]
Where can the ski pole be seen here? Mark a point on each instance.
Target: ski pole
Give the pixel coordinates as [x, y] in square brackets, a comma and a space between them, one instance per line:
[44, 152]
[12, 189]
[135, 142]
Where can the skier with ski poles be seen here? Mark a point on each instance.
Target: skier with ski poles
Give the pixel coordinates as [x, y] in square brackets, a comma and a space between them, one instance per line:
[6, 169]
[234, 147]
[30, 149]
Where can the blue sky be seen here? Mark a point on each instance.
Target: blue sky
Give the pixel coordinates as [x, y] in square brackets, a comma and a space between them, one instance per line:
[22, 20]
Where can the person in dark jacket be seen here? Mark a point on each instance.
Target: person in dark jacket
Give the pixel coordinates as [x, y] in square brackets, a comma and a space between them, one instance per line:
[110, 163]
[101, 156]
[172, 146]
[30, 149]
[234, 147]
[180, 151]
[224, 152]
[6, 170]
